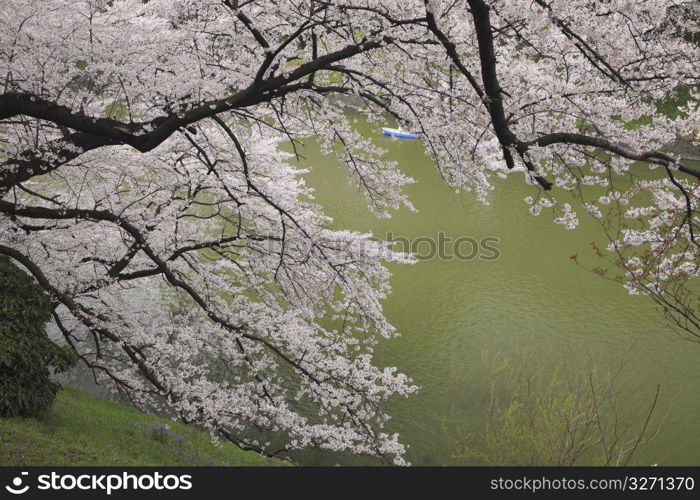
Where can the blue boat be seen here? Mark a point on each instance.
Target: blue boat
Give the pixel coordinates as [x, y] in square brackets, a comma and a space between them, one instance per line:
[398, 132]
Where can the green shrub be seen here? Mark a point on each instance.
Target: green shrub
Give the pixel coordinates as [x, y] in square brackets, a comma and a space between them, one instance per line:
[572, 415]
[26, 352]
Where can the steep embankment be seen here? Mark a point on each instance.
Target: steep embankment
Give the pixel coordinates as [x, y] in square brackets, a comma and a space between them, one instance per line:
[81, 429]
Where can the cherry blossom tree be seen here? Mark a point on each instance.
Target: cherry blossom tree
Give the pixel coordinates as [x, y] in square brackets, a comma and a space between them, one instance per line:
[143, 185]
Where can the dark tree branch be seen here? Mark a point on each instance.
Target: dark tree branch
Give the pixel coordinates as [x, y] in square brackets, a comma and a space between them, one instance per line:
[451, 50]
[620, 149]
[136, 134]
[50, 157]
[494, 93]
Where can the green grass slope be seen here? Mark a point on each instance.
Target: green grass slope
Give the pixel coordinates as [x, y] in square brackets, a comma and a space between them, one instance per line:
[81, 429]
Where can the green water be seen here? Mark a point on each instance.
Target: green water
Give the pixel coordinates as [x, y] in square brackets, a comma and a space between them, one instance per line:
[532, 298]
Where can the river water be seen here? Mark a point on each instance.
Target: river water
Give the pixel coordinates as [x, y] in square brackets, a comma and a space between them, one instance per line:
[532, 298]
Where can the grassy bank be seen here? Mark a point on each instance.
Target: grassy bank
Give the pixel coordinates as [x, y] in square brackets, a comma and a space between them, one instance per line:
[81, 429]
